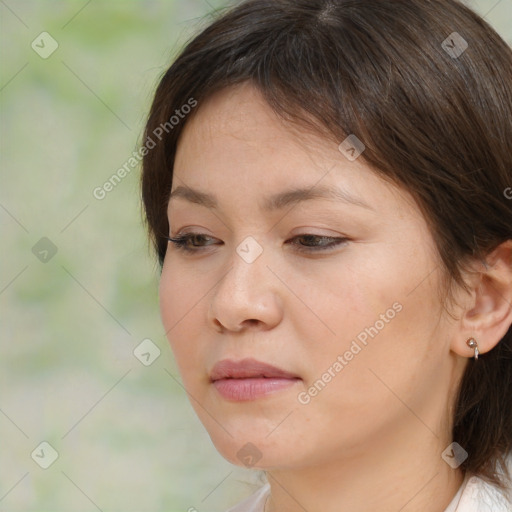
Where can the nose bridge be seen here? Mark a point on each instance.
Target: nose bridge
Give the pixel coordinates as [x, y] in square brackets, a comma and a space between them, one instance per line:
[247, 269]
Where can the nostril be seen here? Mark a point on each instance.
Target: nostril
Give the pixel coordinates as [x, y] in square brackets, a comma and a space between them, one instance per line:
[251, 322]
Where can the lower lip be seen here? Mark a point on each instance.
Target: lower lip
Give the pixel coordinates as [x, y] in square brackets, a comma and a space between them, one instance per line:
[239, 390]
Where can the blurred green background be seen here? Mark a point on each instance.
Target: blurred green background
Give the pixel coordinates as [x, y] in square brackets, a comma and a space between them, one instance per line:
[126, 437]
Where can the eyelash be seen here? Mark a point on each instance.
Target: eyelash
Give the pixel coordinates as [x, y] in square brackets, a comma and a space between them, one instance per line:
[180, 242]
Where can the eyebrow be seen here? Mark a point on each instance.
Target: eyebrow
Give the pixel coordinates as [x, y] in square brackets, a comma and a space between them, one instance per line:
[274, 202]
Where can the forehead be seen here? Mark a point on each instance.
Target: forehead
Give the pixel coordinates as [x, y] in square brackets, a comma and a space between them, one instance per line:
[235, 130]
[239, 117]
[236, 145]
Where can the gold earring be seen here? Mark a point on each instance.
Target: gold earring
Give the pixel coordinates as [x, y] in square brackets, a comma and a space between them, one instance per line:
[471, 343]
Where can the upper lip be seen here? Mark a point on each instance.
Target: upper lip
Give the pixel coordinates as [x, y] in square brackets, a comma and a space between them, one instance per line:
[247, 368]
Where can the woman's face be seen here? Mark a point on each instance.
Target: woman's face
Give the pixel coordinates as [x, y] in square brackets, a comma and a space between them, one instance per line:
[358, 326]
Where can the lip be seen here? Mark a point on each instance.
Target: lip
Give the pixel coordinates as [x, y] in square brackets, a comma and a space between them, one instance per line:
[249, 379]
[247, 368]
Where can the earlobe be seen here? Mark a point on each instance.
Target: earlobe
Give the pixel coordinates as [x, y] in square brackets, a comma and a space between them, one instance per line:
[472, 343]
[489, 316]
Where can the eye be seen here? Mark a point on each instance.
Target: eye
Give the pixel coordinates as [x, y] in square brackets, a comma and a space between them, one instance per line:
[197, 242]
[188, 241]
[316, 243]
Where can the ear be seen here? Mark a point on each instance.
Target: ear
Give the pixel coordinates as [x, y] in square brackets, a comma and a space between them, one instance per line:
[488, 313]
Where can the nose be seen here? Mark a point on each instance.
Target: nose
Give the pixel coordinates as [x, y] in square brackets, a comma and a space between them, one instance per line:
[248, 296]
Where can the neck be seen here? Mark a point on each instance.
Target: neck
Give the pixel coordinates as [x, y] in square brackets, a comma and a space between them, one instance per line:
[401, 471]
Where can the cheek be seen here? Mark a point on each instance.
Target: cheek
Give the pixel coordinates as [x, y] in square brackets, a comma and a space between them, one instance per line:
[345, 298]
[181, 309]
[169, 291]
[385, 319]
[180, 295]
[384, 299]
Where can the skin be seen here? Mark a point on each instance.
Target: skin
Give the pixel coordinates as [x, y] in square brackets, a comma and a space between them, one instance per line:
[372, 438]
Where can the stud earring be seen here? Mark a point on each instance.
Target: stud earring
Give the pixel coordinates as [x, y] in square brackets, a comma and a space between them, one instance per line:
[471, 343]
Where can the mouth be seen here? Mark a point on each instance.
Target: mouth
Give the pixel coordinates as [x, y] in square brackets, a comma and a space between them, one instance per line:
[249, 379]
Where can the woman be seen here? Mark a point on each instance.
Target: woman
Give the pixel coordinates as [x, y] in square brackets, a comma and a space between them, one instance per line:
[327, 187]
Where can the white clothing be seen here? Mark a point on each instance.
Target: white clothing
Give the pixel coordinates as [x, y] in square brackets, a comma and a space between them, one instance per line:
[474, 495]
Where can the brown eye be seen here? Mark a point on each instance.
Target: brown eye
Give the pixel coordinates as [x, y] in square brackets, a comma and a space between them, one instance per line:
[316, 243]
[190, 242]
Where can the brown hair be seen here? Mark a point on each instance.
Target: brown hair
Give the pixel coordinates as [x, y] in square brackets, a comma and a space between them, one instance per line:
[434, 115]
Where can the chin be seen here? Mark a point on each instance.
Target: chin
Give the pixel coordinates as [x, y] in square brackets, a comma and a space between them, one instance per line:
[252, 455]
[252, 447]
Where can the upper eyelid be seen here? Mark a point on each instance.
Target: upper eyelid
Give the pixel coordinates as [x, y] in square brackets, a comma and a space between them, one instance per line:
[186, 236]
[205, 235]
